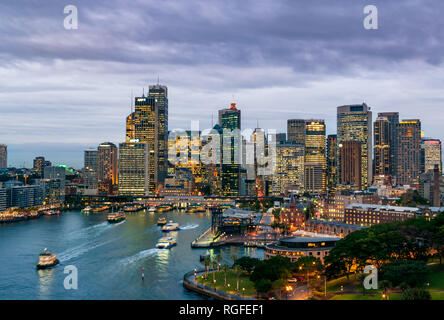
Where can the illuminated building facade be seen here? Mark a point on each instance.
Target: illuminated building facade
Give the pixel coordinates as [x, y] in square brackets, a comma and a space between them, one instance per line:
[39, 165]
[289, 168]
[332, 168]
[151, 126]
[130, 131]
[383, 165]
[354, 122]
[107, 170]
[393, 119]
[134, 169]
[296, 131]
[409, 152]
[230, 119]
[431, 154]
[315, 156]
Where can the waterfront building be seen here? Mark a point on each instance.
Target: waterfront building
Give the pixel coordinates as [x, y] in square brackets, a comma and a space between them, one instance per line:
[23, 196]
[134, 169]
[297, 247]
[90, 171]
[52, 190]
[337, 229]
[332, 168]
[3, 202]
[151, 126]
[107, 168]
[431, 154]
[351, 164]
[289, 169]
[408, 152]
[56, 173]
[354, 122]
[393, 119]
[39, 165]
[371, 214]
[315, 161]
[230, 123]
[3, 156]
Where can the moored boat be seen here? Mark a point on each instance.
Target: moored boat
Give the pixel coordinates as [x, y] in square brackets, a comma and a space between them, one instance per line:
[47, 260]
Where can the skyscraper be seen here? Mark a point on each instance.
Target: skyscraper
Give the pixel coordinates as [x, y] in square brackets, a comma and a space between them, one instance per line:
[408, 152]
[354, 122]
[432, 154]
[382, 150]
[351, 164]
[3, 156]
[230, 121]
[56, 177]
[151, 126]
[296, 131]
[315, 152]
[107, 168]
[90, 170]
[393, 118]
[134, 169]
[289, 168]
[332, 168]
[39, 165]
[130, 132]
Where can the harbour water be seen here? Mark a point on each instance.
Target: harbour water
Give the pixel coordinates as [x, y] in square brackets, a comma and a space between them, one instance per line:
[109, 257]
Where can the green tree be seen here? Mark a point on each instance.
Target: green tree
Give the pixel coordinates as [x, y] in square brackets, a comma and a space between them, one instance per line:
[416, 294]
[412, 273]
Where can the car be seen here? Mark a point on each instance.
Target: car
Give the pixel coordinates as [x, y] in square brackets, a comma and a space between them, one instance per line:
[292, 280]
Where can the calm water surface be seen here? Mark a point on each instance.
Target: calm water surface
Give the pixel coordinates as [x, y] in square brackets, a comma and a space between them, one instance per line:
[109, 257]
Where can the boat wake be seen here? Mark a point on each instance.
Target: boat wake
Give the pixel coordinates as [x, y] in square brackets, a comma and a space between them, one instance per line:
[189, 226]
[140, 255]
[79, 250]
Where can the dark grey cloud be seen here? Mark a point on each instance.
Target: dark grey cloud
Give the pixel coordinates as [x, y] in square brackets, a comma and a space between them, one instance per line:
[280, 59]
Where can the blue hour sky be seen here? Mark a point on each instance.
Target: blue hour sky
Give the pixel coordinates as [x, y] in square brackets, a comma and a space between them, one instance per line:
[62, 91]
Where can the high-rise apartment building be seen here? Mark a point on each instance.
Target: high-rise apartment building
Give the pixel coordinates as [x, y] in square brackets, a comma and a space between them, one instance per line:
[151, 126]
[107, 170]
[408, 152]
[56, 175]
[90, 170]
[431, 154]
[3, 156]
[354, 122]
[134, 169]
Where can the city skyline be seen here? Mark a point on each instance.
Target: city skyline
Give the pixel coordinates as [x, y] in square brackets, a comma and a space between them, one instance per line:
[276, 71]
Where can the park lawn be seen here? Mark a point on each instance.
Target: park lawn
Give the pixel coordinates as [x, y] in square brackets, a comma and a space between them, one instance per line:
[244, 282]
[437, 295]
[436, 277]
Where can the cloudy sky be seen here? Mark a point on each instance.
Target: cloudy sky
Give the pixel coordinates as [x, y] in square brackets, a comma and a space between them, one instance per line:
[62, 91]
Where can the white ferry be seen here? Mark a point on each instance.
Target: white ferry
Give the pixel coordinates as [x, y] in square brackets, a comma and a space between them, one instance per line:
[47, 260]
[161, 221]
[166, 243]
[170, 226]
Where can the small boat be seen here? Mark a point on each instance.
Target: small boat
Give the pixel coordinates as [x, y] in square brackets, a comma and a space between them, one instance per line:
[166, 243]
[87, 209]
[47, 260]
[51, 212]
[116, 217]
[152, 209]
[161, 221]
[170, 226]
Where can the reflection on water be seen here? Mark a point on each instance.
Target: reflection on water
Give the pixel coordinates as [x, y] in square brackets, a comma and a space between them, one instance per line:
[109, 257]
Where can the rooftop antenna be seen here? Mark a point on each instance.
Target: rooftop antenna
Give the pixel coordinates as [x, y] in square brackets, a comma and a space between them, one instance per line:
[143, 94]
[212, 122]
[158, 80]
[257, 123]
[131, 102]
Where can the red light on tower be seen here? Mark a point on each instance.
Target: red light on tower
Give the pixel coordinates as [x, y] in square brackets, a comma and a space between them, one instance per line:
[233, 106]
